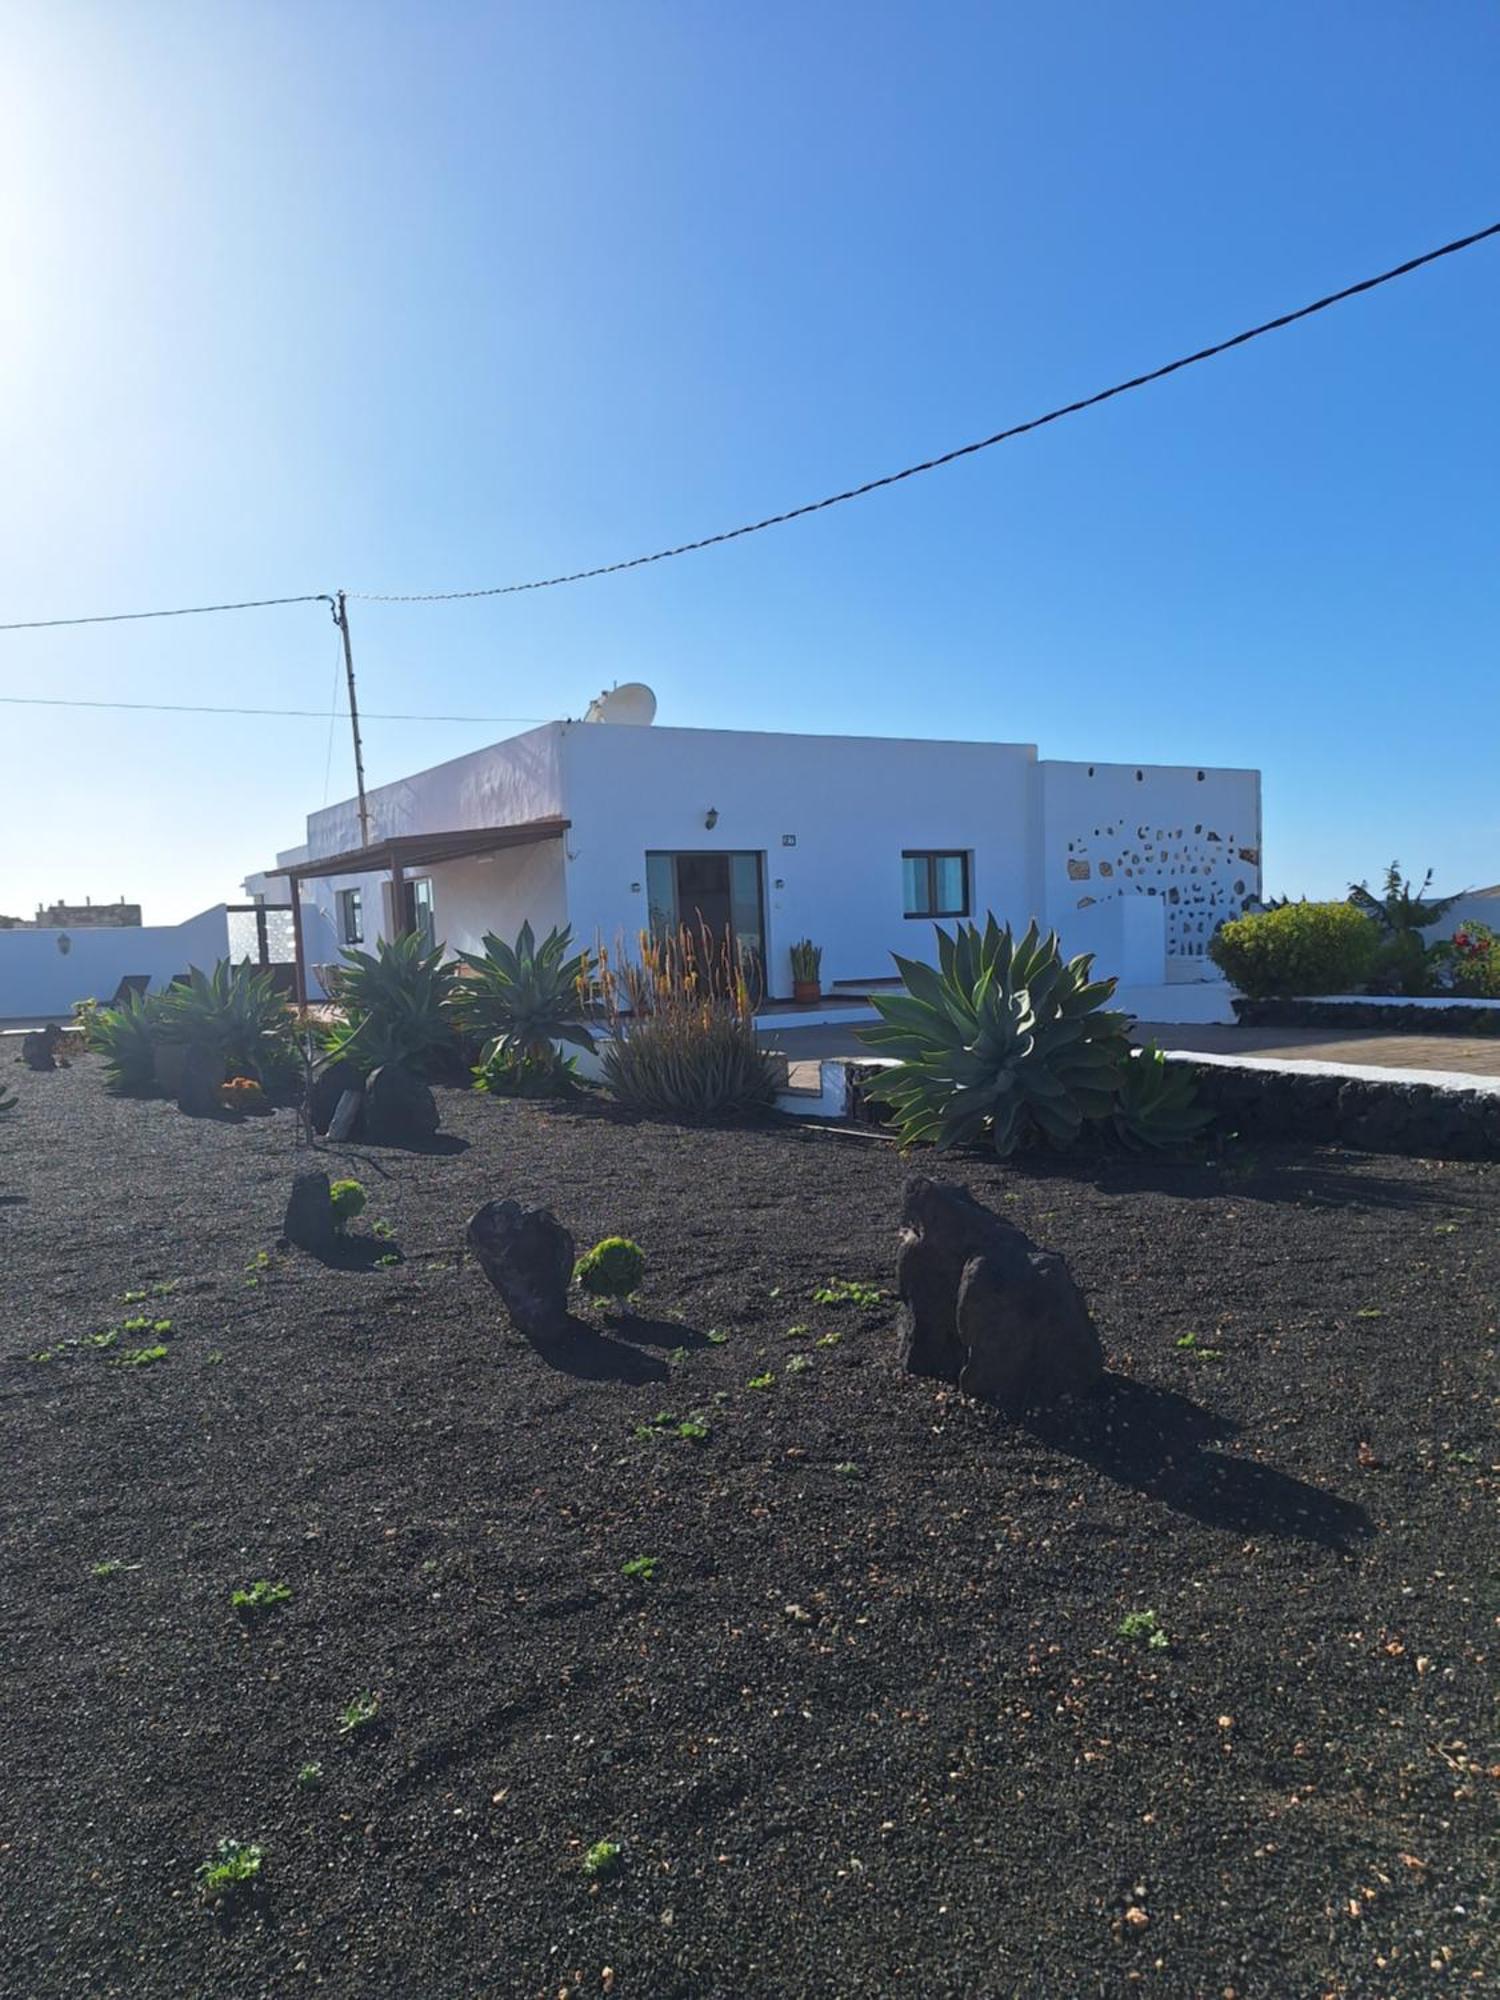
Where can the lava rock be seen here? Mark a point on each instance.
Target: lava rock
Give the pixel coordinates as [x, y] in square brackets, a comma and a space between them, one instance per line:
[309, 1214]
[39, 1049]
[985, 1308]
[330, 1083]
[198, 1082]
[400, 1110]
[528, 1257]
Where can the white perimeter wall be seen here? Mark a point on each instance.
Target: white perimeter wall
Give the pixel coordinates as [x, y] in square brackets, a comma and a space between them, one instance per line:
[852, 803]
[1165, 832]
[38, 979]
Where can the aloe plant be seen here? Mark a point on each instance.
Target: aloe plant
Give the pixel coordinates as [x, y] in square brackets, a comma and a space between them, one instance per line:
[523, 998]
[1001, 1038]
[395, 1004]
[1157, 1104]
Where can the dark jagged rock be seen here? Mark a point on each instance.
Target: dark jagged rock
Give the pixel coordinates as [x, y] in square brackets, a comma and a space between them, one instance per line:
[309, 1214]
[528, 1257]
[39, 1049]
[400, 1110]
[198, 1082]
[330, 1082]
[985, 1308]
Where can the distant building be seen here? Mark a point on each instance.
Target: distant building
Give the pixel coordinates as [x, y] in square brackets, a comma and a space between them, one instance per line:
[85, 915]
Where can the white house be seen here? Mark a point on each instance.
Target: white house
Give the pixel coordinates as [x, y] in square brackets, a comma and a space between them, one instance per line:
[860, 843]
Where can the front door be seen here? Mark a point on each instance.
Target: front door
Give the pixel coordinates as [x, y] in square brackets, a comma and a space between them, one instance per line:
[714, 892]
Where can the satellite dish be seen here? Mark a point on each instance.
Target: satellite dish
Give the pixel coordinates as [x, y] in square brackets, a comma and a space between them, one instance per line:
[631, 702]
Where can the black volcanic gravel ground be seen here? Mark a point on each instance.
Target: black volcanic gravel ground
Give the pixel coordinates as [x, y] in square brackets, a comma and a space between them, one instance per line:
[870, 1729]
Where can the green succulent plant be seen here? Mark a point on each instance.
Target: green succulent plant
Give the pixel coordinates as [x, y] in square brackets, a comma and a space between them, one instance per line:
[8, 1102]
[1157, 1104]
[124, 1036]
[613, 1269]
[395, 1003]
[236, 1011]
[348, 1199]
[1001, 1038]
[523, 998]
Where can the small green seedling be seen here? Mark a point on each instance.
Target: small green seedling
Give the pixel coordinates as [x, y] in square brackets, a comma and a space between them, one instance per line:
[798, 1332]
[348, 1198]
[233, 1865]
[848, 1292]
[766, 1381]
[360, 1713]
[602, 1860]
[678, 1357]
[141, 1357]
[1145, 1629]
[134, 1298]
[1193, 1348]
[111, 1566]
[1370, 1312]
[799, 1364]
[108, 1338]
[695, 1430]
[715, 1338]
[847, 1469]
[386, 1231]
[828, 1339]
[144, 1323]
[613, 1269]
[384, 1263]
[640, 1569]
[260, 1597]
[310, 1777]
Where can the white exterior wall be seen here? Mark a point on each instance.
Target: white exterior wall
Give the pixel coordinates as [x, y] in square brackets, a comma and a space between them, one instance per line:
[852, 804]
[40, 980]
[499, 892]
[1189, 839]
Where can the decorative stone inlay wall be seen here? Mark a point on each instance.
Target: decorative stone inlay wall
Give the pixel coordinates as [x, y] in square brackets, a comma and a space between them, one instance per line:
[1201, 874]
[1389, 1012]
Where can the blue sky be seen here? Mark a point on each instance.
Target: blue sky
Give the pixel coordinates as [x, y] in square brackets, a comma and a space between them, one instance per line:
[406, 297]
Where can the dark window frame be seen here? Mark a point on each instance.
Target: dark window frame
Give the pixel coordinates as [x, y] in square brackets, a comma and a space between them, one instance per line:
[351, 900]
[931, 855]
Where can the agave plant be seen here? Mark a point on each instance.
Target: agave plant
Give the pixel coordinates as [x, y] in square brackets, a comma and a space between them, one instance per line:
[1157, 1104]
[395, 1005]
[126, 1038]
[234, 1010]
[1000, 1039]
[523, 998]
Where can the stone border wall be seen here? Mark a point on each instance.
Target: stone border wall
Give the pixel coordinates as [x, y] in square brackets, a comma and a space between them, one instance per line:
[1378, 1115]
[1387, 1011]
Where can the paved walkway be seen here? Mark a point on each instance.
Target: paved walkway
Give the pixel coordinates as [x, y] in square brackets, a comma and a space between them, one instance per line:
[1476, 1055]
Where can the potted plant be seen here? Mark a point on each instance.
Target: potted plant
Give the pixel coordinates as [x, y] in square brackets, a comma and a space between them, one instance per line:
[807, 966]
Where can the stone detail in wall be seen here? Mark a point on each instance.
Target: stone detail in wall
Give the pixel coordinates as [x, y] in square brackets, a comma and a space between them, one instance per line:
[1188, 867]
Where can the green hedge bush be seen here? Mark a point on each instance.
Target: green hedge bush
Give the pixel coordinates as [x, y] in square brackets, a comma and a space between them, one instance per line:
[1301, 948]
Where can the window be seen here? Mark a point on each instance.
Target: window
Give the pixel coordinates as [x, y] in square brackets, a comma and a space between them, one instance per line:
[935, 884]
[351, 917]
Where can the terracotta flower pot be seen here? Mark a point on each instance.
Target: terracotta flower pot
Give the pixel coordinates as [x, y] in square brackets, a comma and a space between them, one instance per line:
[807, 991]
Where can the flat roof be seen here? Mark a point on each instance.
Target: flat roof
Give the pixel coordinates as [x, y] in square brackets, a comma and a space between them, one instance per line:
[417, 850]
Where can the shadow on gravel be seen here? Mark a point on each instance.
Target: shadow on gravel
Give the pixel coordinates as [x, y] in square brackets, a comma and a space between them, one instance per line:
[1154, 1440]
[585, 1352]
[668, 1333]
[1244, 1175]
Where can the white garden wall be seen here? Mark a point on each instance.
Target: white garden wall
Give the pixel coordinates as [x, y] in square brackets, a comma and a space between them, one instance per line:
[43, 972]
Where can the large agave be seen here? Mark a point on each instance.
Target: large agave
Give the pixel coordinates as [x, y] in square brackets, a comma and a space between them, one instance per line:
[1158, 1103]
[1001, 1037]
[522, 998]
[395, 1005]
[125, 1037]
[235, 1010]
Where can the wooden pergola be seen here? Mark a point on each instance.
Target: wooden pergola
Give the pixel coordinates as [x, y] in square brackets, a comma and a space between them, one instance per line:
[397, 856]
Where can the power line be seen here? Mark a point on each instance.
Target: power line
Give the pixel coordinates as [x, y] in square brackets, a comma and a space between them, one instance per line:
[179, 611]
[1219, 347]
[961, 451]
[198, 708]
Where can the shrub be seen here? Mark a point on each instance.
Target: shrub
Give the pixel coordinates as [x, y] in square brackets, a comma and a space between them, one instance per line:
[348, 1198]
[125, 1037]
[523, 998]
[613, 1269]
[1403, 964]
[1003, 1039]
[687, 1045]
[235, 1011]
[1300, 948]
[508, 1073]
[396, 1007]
[1473, 955]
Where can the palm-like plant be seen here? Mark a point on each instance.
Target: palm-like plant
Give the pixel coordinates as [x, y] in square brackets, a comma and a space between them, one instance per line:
[395, 1004]
[1402, 914]
[522, 999]
[1000, 1038]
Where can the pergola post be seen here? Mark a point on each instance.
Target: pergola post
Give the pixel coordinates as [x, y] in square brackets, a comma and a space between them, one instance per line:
[298, 956]
[398, 898]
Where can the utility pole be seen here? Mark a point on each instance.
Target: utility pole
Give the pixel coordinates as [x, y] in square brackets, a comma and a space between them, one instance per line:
[341, 619]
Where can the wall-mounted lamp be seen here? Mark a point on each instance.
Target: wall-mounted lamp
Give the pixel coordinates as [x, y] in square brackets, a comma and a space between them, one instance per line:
[711, 818]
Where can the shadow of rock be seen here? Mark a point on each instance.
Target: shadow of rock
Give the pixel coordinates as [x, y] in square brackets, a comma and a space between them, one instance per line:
[668, 1333]
[1154, 1440]
[581, 1350]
